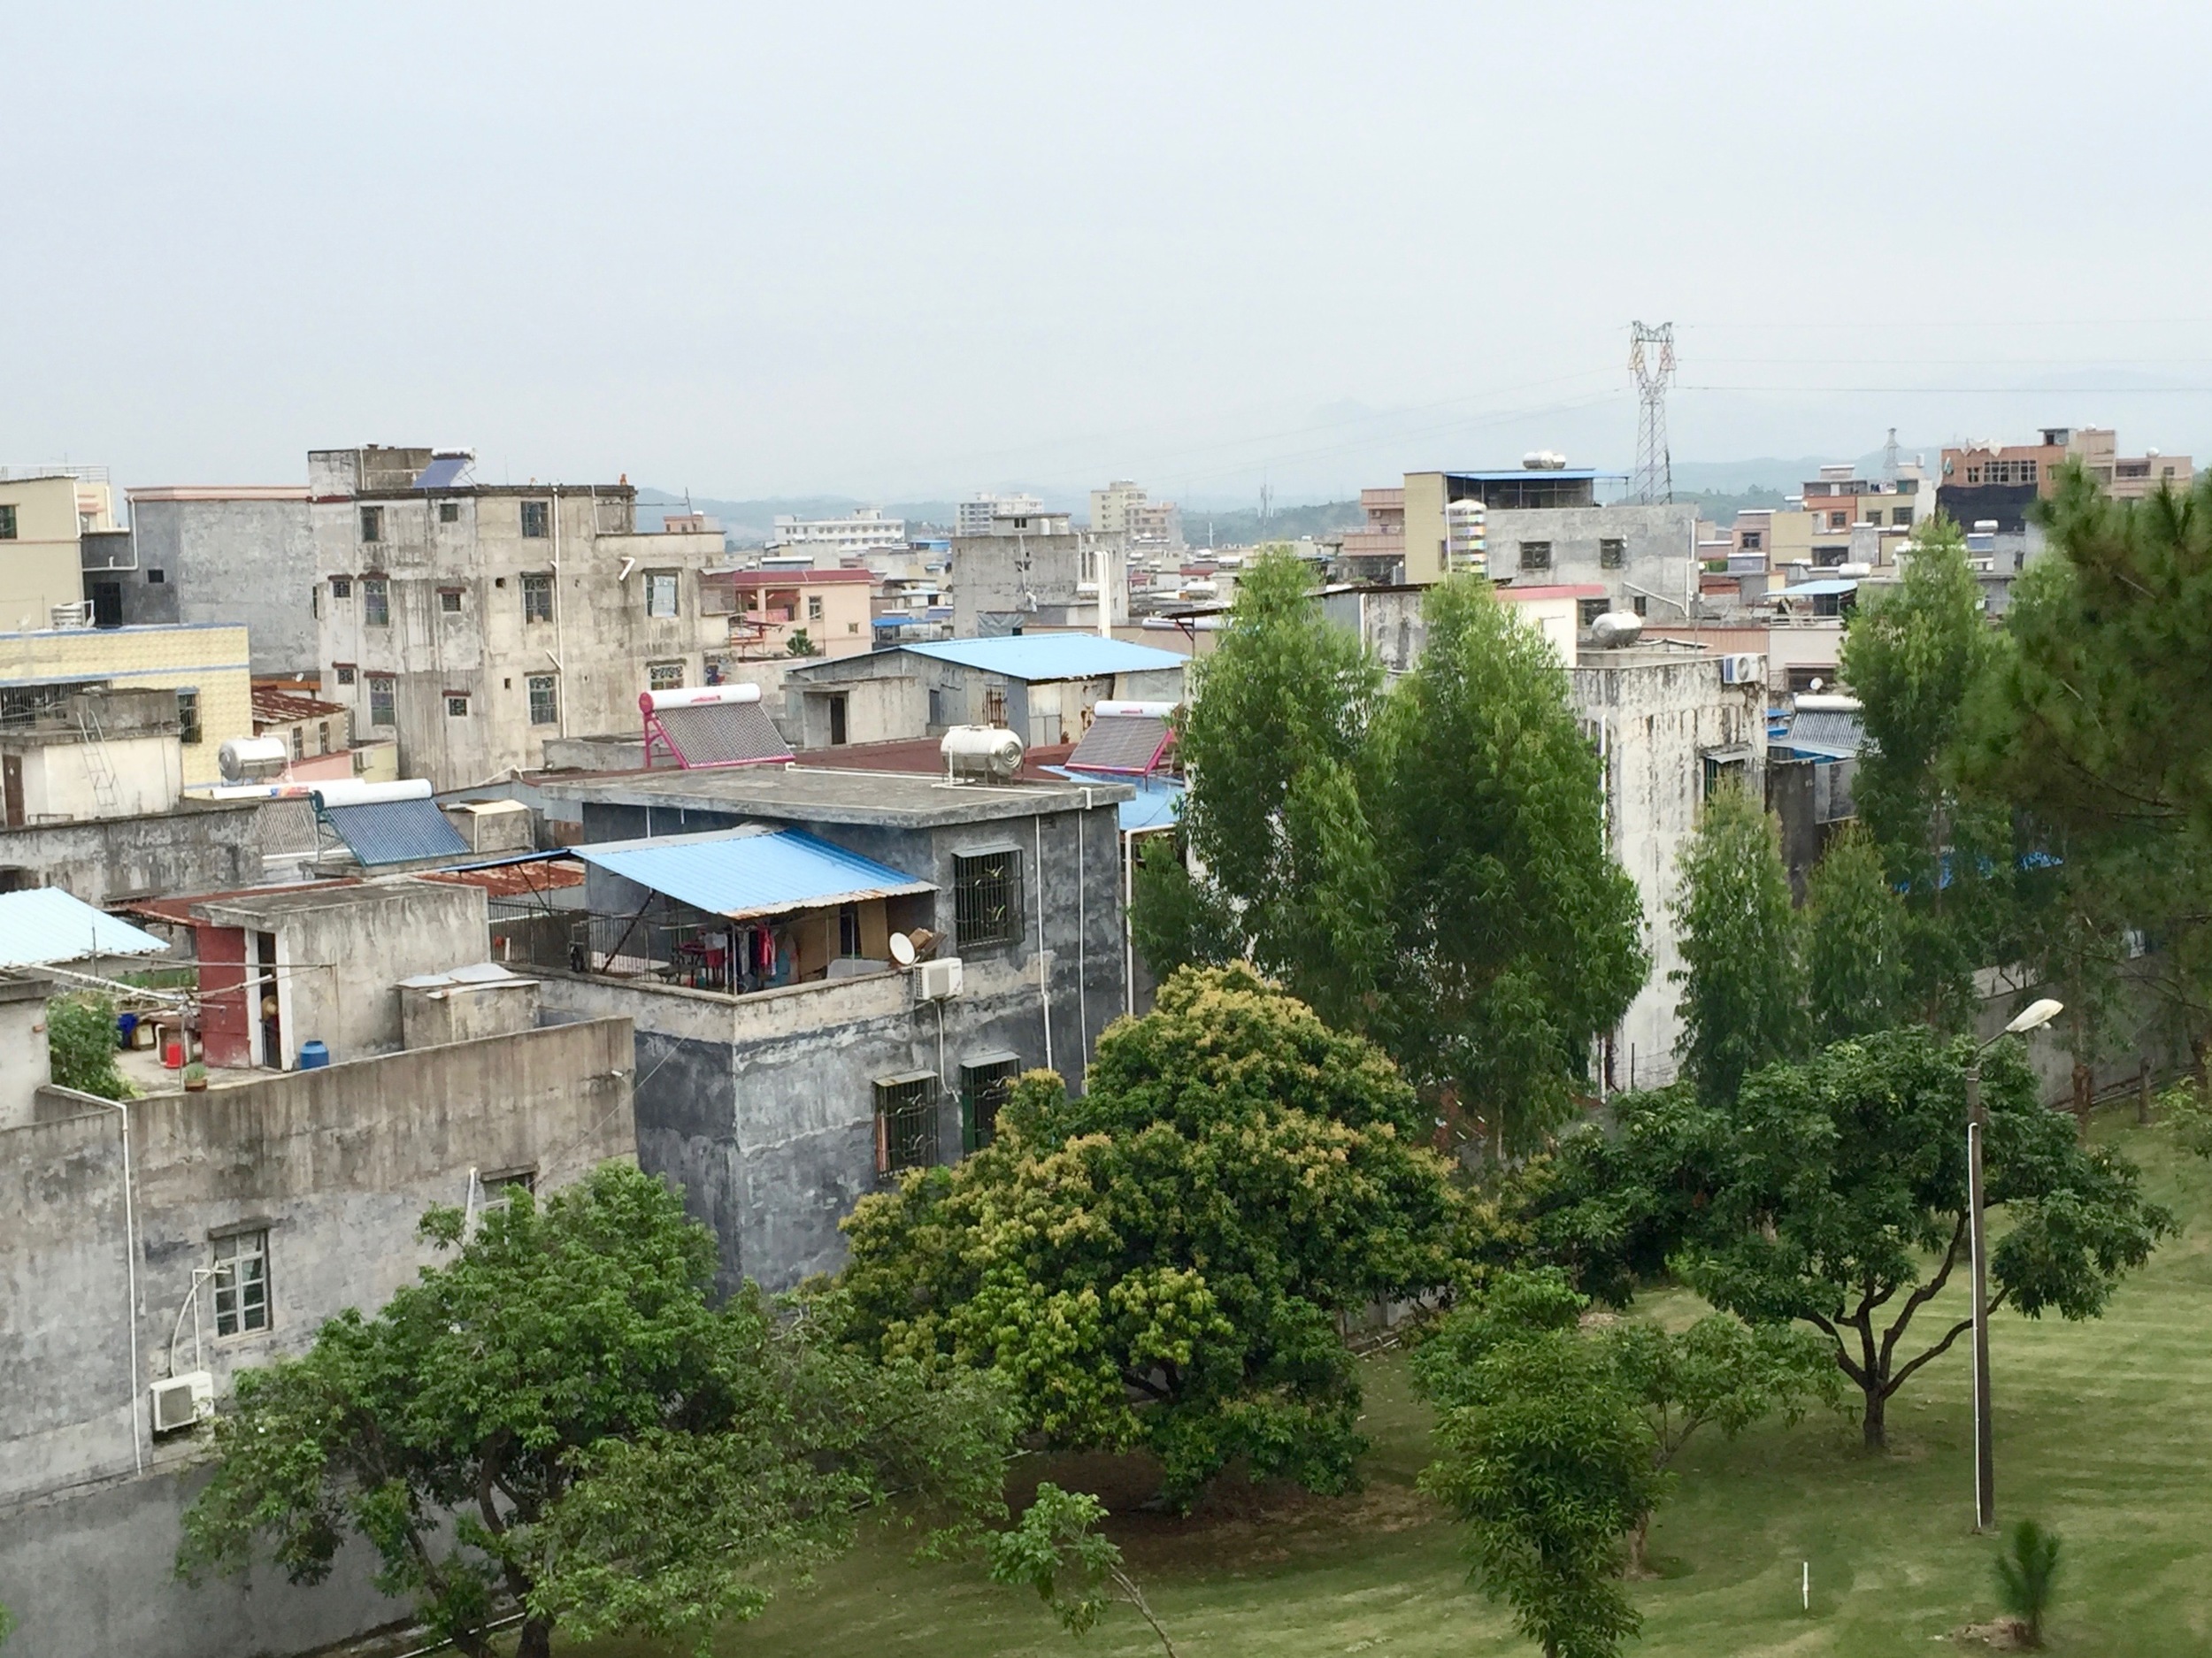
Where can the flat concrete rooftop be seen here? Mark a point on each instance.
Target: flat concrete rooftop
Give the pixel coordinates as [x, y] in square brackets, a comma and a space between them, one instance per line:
[278, 902]
[810, 793]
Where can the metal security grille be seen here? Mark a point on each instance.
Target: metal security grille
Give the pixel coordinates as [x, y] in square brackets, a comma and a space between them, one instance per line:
[906, 1123]
[537, 598]
[984, 1086]
[987, 898]
[545, 700]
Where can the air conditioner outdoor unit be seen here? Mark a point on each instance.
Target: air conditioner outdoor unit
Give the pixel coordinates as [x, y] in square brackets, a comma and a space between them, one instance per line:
[937, 981]
[183, 1401]
[1741, 668]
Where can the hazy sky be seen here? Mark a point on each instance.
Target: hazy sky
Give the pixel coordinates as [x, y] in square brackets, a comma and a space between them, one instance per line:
[895, 250]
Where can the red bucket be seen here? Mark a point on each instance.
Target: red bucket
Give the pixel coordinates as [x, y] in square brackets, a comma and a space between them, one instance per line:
[173, 1056]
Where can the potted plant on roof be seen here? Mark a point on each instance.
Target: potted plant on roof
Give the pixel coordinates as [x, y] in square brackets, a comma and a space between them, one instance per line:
[195, 1078]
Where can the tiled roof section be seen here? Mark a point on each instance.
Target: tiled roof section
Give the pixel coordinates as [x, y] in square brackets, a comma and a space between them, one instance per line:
[272, 707]
[395, 832]
[514, 881]
[1123, 743]
[723, 733]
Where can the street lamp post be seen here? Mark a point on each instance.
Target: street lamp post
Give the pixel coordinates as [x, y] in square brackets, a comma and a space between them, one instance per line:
[2034, 1016]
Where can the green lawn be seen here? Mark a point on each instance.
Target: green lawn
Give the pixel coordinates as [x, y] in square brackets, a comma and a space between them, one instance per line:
[2104, 1431]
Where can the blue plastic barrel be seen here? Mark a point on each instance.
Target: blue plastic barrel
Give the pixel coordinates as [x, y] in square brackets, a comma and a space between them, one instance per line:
[313, 1057]
[126, 1025]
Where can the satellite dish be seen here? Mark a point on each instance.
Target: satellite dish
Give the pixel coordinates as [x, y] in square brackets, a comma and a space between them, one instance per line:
[901, 949]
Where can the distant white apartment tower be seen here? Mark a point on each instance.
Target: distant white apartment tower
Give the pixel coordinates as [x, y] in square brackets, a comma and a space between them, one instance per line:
[974, 515]
[865, 527]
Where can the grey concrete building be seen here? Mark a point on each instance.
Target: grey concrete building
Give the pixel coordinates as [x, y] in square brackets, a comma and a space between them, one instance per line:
[212, 553]
[200, 846]
[776, 1100]
[1672, 723]
[473, 621]
[1035, 570]
[1042, 686]
[251, 1214]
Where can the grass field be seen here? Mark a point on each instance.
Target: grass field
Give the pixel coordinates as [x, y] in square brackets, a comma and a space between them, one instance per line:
[2103, 1431]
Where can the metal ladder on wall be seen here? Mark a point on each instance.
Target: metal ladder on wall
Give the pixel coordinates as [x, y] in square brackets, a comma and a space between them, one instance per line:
[96, 764]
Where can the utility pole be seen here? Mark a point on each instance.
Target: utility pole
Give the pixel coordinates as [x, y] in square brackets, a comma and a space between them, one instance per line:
[1651, 359]
[2034, 1017]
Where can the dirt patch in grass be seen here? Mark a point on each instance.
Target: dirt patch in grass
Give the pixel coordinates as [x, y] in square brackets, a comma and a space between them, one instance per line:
[1239, 1524]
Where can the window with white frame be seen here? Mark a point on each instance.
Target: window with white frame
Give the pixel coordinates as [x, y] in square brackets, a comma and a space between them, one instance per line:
[241, 1282]
[660, 592]
[545, 700]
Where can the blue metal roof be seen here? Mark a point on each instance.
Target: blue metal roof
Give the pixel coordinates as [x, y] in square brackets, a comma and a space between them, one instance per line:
[1036, 656]
[1158, 804]
[1827, 588]
[44, 923]
[395, 832]
[746, 872]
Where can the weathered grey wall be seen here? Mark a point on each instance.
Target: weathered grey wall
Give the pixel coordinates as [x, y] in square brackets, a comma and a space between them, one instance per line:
[337, 1164]
[232, 560]
[87, 1576]
[196, 849]
[1659, 562]
[762, 1107]
[1656, 716]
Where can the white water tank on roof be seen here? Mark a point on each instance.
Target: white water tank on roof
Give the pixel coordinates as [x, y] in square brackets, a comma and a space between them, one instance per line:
[244, 759]
[981, 751]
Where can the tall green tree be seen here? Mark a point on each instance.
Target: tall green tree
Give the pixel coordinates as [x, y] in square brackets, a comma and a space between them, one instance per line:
[1163, 1263]
[1857, 975]
[1743, 977]
[1917, 654]
[1823, 1192]
[2093, 722]
[558, 1419]
[1544, 1456]
[1275, 739]
[1516, 936]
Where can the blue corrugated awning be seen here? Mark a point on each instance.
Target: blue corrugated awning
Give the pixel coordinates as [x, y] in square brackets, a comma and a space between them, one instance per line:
[1158, 804]
[44, 923]
[1050, 656]
[395, 832]
[742, 873]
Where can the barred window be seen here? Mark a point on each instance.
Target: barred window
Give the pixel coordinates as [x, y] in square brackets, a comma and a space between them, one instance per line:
[372, 523]
[665, 675]
[188, 717]
[1613, 552]
[448, 512]
[984, 1086]
[537, 598]
[987, 888]
[537, 518]
[341, 586]
[345, 672]
[450, 600]
[241, 1282]
[545, 700]
[1536, 555]
[906, 1123]
[376, 602]
[380, 700]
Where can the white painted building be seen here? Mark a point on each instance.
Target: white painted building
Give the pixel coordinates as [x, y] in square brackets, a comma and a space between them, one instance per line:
[864, 527]
[1672, 723]
[974, 516]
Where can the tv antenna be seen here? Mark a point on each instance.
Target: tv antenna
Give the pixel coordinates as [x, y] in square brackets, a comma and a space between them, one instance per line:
[1651, 360]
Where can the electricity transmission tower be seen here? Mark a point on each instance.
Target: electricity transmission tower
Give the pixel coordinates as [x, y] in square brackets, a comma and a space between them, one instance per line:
[1651, 360]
